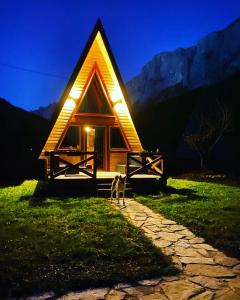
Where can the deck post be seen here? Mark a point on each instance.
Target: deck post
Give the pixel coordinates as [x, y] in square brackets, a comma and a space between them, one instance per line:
[51, 165]
[144, 161]
[95, 165]
[127, 167]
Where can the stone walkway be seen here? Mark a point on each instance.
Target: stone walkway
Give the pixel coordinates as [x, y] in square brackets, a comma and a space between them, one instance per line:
[206, 273]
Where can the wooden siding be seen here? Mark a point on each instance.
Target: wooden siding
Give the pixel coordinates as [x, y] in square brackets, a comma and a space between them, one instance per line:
[97, 55]
[58, 129]
[117, 158]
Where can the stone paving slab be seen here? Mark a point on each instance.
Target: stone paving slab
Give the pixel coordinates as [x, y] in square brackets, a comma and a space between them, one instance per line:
[205, 272]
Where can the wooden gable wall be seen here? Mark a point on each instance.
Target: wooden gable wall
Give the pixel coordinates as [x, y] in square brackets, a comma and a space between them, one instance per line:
[97, 55]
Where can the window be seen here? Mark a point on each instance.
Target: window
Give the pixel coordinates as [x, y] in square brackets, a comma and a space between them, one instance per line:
[71, 138]
[116, 138]
[95, 100]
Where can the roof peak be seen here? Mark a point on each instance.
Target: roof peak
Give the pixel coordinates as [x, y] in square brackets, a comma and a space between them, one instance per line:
[98, 26]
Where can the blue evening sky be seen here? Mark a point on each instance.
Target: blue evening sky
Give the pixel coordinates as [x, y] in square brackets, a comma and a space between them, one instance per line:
[44, 38]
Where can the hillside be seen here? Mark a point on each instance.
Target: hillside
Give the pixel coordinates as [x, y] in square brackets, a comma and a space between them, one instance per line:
[22, 135]
[45, 111]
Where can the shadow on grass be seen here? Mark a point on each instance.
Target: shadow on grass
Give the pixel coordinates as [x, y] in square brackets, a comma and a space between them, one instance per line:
[43, 192]
[65, 188]
[185, 195]
[35, 201]
[39, 196]
[9, 183]
[63, 202]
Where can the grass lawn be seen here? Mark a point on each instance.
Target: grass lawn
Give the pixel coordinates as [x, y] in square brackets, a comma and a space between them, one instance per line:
[210, 210]
[66, 243]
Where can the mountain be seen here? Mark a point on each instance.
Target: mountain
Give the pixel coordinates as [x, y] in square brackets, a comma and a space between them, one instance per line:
[46, 111]
[22, 135]
[213, 58]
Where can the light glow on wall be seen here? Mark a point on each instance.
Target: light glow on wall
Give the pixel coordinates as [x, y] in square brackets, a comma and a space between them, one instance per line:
[116, 95]
[75, 93]
[121, 108]
[88, 129]
[69, 104]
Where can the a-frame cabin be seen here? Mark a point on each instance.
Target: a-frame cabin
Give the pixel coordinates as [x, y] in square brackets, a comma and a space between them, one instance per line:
[92, 120]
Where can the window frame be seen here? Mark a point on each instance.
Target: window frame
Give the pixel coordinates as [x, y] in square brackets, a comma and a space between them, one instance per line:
[123, 138]
[78, 146]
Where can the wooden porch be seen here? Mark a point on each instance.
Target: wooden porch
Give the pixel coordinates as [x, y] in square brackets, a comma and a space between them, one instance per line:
[102, 175]
[144, 172]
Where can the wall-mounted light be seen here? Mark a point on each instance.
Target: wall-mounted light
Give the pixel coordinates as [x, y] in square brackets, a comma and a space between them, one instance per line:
[119, 101]
[116, 94]
[87, 129]
[70, 103]
[120, 107]
[75, 93]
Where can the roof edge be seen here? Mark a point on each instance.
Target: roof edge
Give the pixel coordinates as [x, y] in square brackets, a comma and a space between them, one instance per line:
[98, 27]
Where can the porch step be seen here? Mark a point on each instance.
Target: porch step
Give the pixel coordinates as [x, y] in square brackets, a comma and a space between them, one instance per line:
[106, 193]
[109, 184]
[104, 190]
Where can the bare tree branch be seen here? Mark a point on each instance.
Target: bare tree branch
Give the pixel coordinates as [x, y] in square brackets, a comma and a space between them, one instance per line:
[212, 126]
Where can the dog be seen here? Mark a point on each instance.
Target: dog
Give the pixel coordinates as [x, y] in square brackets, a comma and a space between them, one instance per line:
[119, 186]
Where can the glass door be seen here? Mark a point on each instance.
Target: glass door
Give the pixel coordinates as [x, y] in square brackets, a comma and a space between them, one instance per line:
[99, 146]
[94, 140]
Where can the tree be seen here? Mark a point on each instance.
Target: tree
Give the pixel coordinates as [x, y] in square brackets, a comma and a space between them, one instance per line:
[212, 125]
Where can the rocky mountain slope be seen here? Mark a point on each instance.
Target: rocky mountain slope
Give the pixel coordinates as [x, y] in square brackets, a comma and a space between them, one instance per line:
[213, 58]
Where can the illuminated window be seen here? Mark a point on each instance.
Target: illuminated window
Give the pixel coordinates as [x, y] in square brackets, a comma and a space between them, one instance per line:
[116, 138]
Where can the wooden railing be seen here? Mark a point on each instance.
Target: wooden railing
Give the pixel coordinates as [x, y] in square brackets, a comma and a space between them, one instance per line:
[80, 167]
[145, 163]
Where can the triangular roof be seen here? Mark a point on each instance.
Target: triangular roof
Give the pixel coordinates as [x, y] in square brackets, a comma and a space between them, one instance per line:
[97, 54]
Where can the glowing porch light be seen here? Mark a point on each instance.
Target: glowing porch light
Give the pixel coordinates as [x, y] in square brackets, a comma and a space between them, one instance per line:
[75, 93]
[116, 95]
[70, 104]
[120, 107]
[87, 129]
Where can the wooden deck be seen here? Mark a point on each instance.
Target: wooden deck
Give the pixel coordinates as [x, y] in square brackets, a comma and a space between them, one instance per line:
[81, 184]
[103, 175]
[144, 173]
[138, 165]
